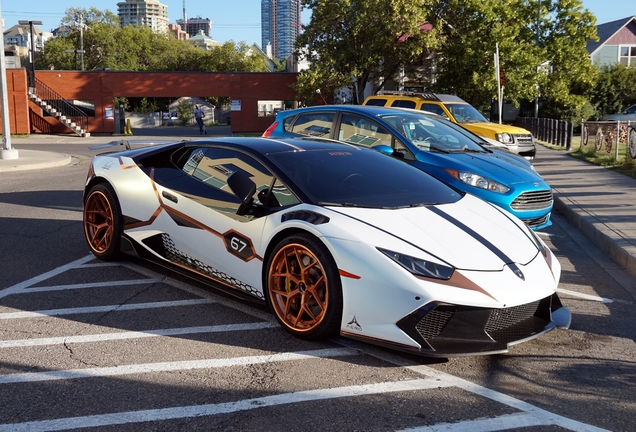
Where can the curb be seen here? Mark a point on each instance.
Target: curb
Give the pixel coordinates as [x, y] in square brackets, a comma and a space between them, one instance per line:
[33, 159]
[608, 240]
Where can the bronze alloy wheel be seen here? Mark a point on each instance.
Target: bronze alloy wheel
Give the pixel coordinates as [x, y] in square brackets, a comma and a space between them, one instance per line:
[102, 222]
[304, 288]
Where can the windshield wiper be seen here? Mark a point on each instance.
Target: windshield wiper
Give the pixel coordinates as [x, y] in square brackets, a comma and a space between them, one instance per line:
[438, 149]
[334, 204]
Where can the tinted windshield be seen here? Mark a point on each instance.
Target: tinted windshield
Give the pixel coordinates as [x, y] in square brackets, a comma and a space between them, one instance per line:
[465, 113]
[361, 177]
[432, 134]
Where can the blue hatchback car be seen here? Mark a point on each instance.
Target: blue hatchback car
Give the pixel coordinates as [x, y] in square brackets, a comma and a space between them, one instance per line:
[436, 146]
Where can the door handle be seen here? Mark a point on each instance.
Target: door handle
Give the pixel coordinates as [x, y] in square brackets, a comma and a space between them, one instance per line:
[169, 197]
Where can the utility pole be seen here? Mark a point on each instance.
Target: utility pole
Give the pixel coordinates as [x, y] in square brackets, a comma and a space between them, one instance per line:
[81, 50]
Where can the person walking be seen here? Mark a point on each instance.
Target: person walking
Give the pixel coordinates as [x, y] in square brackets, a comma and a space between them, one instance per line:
[199, 115]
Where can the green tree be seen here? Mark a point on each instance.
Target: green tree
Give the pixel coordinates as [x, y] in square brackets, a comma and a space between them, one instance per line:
[137, 48]
[615, 90]
[350, 42]
[185, 112]
[552, 54]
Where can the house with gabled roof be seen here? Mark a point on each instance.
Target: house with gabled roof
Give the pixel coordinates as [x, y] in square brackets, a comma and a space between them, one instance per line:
[616, 44]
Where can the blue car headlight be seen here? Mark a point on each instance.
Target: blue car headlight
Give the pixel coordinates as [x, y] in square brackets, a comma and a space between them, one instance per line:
[505, 138]
[478, 181]
[419, 266]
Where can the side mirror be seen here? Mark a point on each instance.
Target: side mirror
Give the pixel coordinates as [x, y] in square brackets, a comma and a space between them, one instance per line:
[244, 188]
[383, 148]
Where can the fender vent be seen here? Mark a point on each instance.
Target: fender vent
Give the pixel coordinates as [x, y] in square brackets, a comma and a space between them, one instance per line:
[305, 215]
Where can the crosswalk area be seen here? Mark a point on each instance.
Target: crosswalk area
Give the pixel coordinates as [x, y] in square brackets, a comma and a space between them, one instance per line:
[119, 346]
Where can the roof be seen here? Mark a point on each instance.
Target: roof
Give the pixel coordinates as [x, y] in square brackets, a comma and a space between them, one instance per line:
[606, 31]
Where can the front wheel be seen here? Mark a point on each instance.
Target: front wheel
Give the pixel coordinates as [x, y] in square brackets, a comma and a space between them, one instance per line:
[103, 222]
[303, 287]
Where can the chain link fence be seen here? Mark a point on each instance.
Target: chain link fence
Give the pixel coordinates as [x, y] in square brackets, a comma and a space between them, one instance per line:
[612, 137]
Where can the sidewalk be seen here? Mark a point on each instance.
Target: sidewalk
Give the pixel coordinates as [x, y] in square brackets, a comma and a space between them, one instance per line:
[599, 202]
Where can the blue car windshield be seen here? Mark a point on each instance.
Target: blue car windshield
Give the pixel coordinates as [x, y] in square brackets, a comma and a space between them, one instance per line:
[360, 177]
[432, 134]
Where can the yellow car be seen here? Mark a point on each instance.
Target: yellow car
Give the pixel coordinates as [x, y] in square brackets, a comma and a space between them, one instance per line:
[457, 110]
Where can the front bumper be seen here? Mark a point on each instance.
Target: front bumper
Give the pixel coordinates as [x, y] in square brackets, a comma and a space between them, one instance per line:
[445, 330]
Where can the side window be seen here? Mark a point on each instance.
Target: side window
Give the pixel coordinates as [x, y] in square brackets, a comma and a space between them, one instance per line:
[287, 122]
[359, 130]
[403, 104]
[435, 109]
[376, 102]
[314, 124]
[212, 166]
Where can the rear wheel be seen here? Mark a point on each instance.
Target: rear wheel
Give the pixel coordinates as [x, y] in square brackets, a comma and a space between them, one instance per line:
[584, 135]
[304, 288]
[103, 222]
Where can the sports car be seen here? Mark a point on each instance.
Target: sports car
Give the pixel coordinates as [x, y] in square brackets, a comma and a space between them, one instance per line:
[435, 145]
[335, 238]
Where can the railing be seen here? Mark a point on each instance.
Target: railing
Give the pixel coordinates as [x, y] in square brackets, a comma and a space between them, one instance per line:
[60, 104]
[610, 134]
[556, 132]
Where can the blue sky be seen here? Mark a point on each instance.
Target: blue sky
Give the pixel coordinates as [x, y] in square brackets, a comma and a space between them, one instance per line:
[237, 20]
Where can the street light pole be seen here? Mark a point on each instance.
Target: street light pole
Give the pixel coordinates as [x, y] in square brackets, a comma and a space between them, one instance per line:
[32, 52]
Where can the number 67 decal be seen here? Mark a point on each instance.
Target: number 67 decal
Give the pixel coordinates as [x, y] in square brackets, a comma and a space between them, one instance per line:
[239, 245]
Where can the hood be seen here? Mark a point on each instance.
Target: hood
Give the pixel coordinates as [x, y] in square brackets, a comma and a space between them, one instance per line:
[489, 130]
[499, 167]
[469, 234]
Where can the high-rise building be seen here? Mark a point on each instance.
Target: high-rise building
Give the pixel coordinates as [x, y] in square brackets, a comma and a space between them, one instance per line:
[149, 13]
[195, 24]
[280, 25]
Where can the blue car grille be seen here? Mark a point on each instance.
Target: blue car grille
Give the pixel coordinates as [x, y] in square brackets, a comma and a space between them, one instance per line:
[534, 200]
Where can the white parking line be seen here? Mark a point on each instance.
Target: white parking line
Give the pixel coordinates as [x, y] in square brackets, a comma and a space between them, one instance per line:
[105, 308]
[171, 366]
[15, 289]
[505, 422]
[135, 335]
[585, 296]
[221, 408]
[529, 415]
[91, 285]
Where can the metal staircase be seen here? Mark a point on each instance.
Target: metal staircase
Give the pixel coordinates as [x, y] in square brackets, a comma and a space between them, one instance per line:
[55, 105]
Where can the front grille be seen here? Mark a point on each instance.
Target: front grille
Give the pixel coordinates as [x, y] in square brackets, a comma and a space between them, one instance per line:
[533, 200]
[510, 324]
[536, 221]
[432, 324]
[524, 139]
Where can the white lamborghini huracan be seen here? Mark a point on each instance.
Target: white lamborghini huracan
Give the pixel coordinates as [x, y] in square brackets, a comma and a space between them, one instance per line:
[336, 239]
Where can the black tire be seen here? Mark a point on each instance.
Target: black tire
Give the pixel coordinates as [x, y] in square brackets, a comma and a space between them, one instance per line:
[599, 139]
[303, 287]
[631, 140]
[584, 135]
[103, 226]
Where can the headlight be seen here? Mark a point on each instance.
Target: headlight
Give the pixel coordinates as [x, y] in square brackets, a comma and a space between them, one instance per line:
[477, 180]
[505, 138]
[420, 267]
